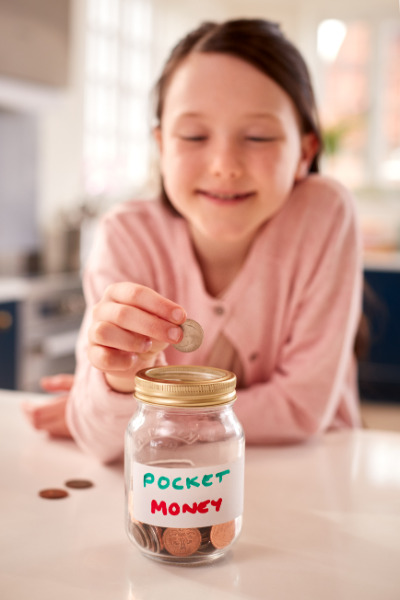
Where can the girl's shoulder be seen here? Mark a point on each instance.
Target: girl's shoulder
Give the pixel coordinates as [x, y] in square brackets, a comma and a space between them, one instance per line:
[140, 220]
[323, 194]
[319, 208]
[134, 237]
[138, 212]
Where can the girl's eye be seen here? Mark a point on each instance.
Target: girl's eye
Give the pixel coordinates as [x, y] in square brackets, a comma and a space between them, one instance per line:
[193, 138]
[256, 138]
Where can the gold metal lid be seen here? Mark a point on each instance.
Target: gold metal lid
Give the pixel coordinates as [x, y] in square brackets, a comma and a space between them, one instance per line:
[185, 386]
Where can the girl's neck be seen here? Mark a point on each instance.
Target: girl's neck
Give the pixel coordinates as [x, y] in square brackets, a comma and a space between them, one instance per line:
[220, 262]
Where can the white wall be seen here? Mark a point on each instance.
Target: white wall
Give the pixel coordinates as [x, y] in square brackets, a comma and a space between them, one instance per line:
[60, 134]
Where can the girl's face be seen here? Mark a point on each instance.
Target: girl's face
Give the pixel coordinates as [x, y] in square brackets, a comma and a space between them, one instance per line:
[230, 146]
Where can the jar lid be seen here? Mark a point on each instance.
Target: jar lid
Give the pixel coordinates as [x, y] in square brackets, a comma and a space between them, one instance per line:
[185, 386]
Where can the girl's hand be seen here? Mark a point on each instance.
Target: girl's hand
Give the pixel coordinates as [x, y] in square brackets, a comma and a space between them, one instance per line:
[50, 416]
[131, 324]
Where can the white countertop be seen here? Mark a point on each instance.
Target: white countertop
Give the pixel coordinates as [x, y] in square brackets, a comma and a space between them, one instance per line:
[19, 288]
[321, 522]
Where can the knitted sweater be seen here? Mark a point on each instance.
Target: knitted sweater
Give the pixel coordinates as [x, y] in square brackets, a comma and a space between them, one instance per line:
[291, 315]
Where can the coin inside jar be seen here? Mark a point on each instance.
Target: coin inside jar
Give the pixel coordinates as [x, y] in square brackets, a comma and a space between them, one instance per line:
[192, 336]
[181, 542]
[53, 494]
[138, 532]
[223, 534]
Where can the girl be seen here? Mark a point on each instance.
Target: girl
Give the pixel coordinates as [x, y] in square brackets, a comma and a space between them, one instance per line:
[247, 239]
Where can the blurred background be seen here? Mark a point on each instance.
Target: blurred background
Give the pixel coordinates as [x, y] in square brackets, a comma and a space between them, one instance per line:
[75, 119]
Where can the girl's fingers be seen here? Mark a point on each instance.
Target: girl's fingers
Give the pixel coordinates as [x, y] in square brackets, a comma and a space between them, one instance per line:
[49, 417]
[118, 362]
[111, 360]
[57, 383]
[131, 324]
[138, 321]
[41, 416]
[59, 429]
[146, 299]
[113, 337]
[104, 333]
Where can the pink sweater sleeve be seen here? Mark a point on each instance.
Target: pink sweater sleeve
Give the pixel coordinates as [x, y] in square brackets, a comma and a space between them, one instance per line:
[316, 368]
[96, 415]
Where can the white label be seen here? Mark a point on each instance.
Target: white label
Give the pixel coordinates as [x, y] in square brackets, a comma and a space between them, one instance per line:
[197, 497]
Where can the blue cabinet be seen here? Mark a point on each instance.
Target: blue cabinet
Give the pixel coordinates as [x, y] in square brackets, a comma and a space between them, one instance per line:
[8, 345]
[379, 373]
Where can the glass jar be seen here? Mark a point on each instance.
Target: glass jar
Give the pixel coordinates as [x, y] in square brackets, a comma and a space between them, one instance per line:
[184, 464]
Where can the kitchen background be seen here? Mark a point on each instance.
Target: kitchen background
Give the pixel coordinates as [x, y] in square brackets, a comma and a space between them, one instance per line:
[75, 116]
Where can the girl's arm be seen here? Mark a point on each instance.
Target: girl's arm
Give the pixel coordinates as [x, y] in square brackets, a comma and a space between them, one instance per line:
[122, 320]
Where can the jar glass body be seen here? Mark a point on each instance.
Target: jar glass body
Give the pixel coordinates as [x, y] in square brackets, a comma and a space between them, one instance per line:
[184, 481]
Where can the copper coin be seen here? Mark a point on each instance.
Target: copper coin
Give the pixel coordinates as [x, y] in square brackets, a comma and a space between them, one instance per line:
[192, 336]
[79, 484]
[181, 542]
[222, 535]
[53, 494]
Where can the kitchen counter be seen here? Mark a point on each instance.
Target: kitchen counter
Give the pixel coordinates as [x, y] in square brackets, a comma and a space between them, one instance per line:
[321, 522]
[19, 288]
[382, 261]
[39, 321]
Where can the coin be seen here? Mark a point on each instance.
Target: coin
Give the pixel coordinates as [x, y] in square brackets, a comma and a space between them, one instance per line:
[154, 534]
[192, 336]
[79, 484]
[181, 542]
[205, 536]
[223, 534]
[53, 494]
[137, 531]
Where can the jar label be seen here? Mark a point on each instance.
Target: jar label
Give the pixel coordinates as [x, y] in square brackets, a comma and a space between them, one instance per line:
[187, 497]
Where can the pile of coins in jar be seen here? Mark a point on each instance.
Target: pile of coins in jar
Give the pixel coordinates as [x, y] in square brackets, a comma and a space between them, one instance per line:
[182, 542]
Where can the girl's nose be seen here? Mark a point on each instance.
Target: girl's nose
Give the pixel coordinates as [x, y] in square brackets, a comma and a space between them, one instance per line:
[225, 161]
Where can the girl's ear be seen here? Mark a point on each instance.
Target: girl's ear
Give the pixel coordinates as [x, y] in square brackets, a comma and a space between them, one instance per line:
[158, 137]
[309, 148]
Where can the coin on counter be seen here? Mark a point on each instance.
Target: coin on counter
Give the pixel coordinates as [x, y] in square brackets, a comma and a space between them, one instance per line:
[223, 534]
[181, 542]
[192, 336]
[53, 494]
[79, 484]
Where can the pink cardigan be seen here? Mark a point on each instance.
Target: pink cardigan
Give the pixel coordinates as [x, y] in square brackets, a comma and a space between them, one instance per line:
[291, 314]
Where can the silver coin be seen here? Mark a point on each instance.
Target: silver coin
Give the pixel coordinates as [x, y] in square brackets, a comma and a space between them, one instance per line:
[192, 336]
[138, 532]
[154, 536]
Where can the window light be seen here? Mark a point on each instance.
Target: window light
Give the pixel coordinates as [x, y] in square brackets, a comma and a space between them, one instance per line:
[330, 37]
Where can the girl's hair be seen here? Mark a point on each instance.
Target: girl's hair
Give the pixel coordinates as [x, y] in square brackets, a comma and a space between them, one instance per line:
[260, 43]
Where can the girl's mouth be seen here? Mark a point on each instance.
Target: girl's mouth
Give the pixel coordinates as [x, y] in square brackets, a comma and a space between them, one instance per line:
[225, 197]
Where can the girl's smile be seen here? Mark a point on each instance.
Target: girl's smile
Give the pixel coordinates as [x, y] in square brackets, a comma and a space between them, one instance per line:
[225, 198]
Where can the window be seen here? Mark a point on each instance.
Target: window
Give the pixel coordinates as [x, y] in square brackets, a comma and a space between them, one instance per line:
[389, 165]
[116, 92]
[360, 104]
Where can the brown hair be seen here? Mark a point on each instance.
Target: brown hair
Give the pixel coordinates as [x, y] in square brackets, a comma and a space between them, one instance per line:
[260, 43]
